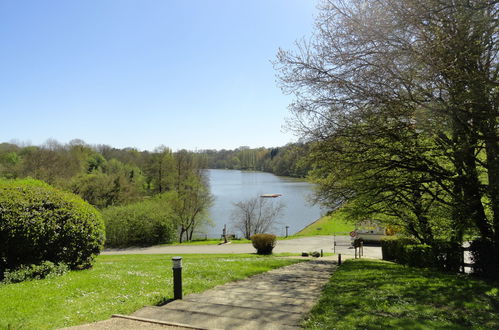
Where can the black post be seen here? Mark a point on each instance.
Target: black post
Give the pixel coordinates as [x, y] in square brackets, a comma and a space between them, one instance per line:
[177, 277]
[322, 253]
[287, 231]
[339, 259]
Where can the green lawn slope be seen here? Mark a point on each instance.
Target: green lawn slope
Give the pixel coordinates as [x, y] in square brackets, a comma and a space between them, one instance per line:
[336, 223]
[374, 294]
[118, 284]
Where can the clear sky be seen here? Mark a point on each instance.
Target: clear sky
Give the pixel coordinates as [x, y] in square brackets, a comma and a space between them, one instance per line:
[194, 74]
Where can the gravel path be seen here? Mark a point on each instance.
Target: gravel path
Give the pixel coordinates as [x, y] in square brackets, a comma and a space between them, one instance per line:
[296, 245]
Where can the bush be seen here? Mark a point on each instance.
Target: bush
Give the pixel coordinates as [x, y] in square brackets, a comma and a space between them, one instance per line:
[392, 248]
[46, 269]
[263, 243]
[40, 223]
[144, 223]
[418, 255]
[484, 257]
[441, 255]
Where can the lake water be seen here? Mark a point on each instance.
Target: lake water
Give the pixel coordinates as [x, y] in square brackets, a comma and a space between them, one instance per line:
[231, 186]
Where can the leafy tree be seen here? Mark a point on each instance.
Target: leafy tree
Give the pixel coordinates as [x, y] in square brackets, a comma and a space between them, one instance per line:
[401, 96]
[193, 195]
[161, 170]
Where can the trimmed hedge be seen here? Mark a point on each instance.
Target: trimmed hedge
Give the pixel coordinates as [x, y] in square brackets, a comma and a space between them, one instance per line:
[263, 243]
[392, 248]
[40, 223]
[440, 255]
[140, 224]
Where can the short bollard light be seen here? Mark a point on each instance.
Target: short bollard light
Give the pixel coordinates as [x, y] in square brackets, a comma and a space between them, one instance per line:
[339, 259]
[177, 277]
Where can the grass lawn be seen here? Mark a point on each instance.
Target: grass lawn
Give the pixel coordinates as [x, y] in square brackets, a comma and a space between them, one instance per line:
[118, 285]
[373, 294]
[328, 225]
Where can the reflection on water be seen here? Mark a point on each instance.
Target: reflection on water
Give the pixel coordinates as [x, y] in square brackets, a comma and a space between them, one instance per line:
[230, 186]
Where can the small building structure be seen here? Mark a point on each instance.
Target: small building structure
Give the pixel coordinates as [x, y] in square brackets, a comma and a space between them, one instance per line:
[369, 230]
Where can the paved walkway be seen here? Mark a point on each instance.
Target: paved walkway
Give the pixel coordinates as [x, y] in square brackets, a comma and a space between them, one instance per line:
[296, 245]
[278, 299]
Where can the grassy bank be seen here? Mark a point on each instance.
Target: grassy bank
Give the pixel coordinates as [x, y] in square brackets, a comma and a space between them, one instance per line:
[370, 294]
[118, 285]
[328, 225]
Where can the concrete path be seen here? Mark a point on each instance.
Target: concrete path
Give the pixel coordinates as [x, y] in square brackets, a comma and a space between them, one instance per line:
[296, 245]
[278, 299]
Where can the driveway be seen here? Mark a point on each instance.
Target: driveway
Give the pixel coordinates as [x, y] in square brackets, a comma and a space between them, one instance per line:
[295, 245]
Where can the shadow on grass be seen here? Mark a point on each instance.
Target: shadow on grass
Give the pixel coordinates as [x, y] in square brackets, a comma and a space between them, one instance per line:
[376, 294]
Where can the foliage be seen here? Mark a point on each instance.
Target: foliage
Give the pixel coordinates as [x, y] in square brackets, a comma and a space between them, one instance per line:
[398, 99]
[263, 243]
[119, 285]
[143, 223]
[40, 223]
[371, 294]
[106, 176]
[256, 215]
[442, 255]
[289, 160]
[392, 248]
[194, 197]
[485, 263]
[46, 269]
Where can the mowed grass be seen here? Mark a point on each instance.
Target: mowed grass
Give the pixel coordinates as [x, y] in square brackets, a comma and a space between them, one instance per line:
[373, 294]
[336, 223]
[118, 285]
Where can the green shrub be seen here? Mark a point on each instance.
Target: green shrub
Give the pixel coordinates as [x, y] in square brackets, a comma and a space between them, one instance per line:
[144, 223]
[440, 255]
[46, 269]
[418, 255]
[392, 247]
[263, 243]
[40, 223]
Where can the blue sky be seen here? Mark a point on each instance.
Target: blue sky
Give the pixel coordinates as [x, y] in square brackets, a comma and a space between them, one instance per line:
[192, 74]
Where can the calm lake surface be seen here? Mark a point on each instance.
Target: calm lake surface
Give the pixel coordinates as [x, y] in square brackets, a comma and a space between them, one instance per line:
[231, 186]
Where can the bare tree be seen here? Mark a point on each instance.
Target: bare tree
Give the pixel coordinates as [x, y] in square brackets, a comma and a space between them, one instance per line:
[256, 215]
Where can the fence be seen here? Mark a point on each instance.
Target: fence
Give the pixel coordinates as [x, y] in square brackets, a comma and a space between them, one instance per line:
[358, 248]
